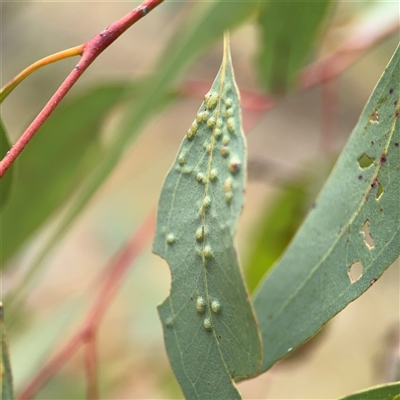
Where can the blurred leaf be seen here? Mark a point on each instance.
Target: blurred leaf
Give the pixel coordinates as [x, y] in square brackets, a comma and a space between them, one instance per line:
[280, 221]
[54, 163]
[7, 180]
[311, 282]
[390, 391]
[209, 327]
[6, 375]
[288, 30]
[202, 26]
[278, 225]
[33, 346]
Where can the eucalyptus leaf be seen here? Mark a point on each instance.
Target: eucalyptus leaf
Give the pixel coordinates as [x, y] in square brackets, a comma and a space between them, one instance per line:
[316, 277]
[7, 180]
[6, 374]
[391, 391]
[287, 31]
[209, 327]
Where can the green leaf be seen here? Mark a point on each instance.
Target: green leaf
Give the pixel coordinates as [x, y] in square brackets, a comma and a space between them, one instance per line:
[7, 180]
[311, 282]
[288, 30]
[390, 391]
[6, 375]
[278, 225]
[54, 163]
[203, 25]
[209, 327]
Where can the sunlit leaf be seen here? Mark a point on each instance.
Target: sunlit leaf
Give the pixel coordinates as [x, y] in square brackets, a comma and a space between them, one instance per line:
[209, 327]
[390, 391]
[355, 225]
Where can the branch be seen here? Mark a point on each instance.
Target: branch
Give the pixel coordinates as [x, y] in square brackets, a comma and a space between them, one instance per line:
[86, 334]
[61, 55]
[90, 51]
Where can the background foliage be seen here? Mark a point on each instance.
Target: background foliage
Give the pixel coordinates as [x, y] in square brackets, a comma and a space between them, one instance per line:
[285, 146]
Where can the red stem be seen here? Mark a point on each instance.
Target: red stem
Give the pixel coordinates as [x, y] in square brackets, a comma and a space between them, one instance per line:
[86, 335]
[90, 359]
[91, 50]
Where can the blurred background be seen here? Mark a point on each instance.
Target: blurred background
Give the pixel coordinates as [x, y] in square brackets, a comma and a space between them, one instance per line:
[295, 141]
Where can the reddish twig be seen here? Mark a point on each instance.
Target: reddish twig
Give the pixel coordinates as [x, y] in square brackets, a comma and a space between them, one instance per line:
[61, 55]
[90, 360]
[86, 335]
[90, 51]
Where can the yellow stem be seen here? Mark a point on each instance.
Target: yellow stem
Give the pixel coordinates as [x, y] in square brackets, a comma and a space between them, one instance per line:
[61, 55]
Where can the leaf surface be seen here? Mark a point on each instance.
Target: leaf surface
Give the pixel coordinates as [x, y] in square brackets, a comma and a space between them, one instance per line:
[316, 277]
[6, 375]
[209, 327]
[7, 180]
[390, 391]
[288, 30]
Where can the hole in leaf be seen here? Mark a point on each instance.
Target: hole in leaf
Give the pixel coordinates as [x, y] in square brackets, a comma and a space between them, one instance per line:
[367, 235]
[355, 271]
[365, 161]
[380, 191]
[374, 117]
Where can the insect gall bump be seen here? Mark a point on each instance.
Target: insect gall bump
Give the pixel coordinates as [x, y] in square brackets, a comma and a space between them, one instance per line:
[224, 151]
[201, 305]
[211, 101]
[207, 324]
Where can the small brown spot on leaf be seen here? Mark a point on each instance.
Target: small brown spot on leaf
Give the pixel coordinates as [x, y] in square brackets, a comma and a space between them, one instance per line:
[383, 158]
